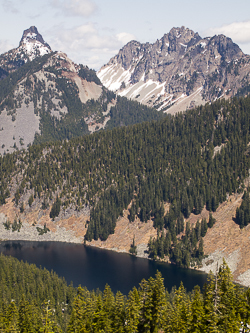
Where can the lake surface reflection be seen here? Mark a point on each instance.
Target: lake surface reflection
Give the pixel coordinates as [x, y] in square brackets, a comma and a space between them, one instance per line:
[94, 268]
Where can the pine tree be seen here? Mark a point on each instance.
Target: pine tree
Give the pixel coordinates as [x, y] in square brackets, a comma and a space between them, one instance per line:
[11, 319]
[180, 312]
[55, 209]
[133, 308]
[197, 323]
[132, 249]
[101, 321]
[25, 322]
[118, 316]
[107, 308]
[229, 321]
[154, 300]
[48, 323]
[211, 301]
[211, 220]
[76, 322]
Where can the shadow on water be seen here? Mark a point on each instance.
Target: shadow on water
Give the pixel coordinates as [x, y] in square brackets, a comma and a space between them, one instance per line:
[94, 268]
[16, 246]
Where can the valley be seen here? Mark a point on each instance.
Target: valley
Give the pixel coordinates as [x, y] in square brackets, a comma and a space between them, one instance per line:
[84, 164]
[124, 166]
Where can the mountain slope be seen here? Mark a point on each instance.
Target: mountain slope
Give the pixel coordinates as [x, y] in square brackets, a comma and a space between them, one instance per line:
[45, 96]
[41, 93]
[156, 175]
[178, 71]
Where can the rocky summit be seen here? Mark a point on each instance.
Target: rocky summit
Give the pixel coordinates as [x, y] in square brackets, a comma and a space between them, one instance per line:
[32, 43]
[30, 47]
[179, 71]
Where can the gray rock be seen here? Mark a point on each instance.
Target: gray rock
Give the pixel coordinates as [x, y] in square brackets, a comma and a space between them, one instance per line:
[175, 67]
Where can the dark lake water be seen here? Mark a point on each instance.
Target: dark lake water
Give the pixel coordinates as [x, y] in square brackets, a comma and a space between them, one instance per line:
[93, 267]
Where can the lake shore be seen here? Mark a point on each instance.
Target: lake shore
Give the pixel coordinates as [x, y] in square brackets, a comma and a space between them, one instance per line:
[30, 233]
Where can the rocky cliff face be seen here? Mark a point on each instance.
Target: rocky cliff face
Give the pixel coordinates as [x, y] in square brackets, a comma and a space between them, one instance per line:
[178, 71]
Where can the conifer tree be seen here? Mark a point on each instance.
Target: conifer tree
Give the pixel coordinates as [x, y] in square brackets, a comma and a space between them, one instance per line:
[133, 311]
[11, 319]
[211, 303]
[180, 313]
[48, 323]
[76, 322]
[197, 323]
[229, 320]
[101, 322]
[25, 322]
[118, 316]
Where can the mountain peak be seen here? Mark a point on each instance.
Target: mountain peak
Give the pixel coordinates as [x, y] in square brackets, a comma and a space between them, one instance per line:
[32, 35]
[182, 34]
[179, 71]
[33, 44]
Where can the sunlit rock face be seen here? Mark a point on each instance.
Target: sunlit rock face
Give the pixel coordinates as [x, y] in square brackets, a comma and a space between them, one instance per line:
[177, 72]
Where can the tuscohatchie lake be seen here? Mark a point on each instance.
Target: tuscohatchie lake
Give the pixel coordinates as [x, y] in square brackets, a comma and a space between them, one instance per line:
[94, 268]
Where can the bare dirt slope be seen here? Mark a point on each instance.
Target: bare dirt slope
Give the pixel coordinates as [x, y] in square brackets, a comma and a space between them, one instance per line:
[227, 240]
[124, 234]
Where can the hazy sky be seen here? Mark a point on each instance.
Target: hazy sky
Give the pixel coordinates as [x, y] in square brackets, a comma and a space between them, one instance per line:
[92, 31]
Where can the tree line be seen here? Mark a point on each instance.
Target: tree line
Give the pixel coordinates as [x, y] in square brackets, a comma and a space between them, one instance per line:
[185, 251]
[72, 124]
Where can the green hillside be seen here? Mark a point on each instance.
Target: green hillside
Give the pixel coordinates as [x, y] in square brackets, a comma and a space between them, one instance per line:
[26, 292]
[172, 160]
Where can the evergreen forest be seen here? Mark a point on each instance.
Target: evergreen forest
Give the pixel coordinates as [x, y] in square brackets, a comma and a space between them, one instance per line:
[27, 295]
[243, 212]
[190, 161]
[35, 300]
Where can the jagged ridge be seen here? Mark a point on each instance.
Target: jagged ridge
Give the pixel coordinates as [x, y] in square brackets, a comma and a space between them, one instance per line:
[180, 68]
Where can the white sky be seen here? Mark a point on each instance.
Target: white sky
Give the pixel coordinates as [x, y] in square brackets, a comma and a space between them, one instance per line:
[92, 31]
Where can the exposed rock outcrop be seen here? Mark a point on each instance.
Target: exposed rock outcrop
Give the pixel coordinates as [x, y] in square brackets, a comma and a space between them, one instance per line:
[179, 71]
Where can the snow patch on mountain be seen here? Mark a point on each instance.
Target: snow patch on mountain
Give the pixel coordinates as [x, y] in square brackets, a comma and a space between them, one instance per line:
[33, 49]
[144, 92]
[112, 76]
[173, 69]
[32, 44]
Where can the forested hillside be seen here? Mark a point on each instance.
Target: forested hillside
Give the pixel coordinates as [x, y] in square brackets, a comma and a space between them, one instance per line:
[27, 295]
[190, 160]
[124, 113]
[34, 300]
